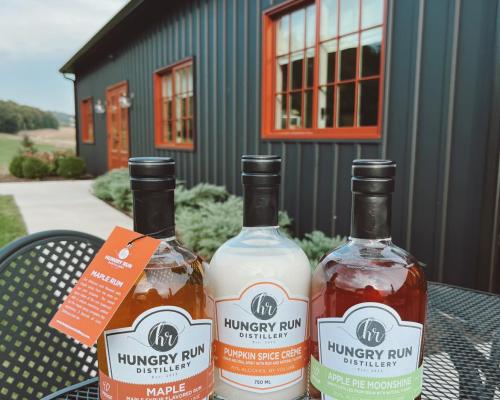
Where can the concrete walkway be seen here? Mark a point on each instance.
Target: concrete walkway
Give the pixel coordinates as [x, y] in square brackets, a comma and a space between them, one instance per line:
[64, 205]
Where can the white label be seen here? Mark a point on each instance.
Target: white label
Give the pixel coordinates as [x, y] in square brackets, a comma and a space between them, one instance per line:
[369, 341]
[164, 344]
[269, 326]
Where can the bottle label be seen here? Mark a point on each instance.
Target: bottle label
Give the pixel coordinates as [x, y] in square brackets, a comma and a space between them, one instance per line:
[262, 338]
[165, 353]
[369, 353]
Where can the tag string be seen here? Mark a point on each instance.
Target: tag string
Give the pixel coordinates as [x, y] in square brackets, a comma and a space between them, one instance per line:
[148, 234]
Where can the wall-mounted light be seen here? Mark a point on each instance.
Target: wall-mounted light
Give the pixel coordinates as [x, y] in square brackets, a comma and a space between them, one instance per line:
[125, 101]
[99, 107]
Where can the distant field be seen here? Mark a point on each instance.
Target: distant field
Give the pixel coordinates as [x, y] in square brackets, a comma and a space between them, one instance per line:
[44, 139]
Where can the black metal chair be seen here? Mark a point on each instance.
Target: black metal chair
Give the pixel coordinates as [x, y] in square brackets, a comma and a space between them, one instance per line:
[36, 274]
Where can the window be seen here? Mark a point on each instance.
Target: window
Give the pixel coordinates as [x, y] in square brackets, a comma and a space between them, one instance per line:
[174, 106]
[87, 117]
[323, 69]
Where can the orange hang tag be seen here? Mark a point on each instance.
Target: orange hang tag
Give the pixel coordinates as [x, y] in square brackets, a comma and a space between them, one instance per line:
[104, 285]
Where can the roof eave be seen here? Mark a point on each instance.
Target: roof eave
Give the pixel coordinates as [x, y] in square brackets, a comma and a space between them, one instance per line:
[68, 67]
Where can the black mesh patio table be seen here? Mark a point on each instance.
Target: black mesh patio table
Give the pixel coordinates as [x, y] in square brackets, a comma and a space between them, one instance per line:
[462, 348]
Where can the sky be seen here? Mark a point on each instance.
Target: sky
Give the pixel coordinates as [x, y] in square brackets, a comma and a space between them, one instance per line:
[36, 38]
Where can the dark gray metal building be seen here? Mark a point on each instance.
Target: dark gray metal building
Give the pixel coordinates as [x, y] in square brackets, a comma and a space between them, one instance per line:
[320, 82]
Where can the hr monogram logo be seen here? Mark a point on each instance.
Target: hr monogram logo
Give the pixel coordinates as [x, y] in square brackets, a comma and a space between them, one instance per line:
[264, 306]
[163, 337]
[370, 332]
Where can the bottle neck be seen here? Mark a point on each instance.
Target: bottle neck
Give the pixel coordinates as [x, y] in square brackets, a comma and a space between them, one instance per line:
[260, 206]
[154, 213]
[371, 216]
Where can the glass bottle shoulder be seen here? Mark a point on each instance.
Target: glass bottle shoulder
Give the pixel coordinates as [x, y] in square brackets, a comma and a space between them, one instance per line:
[257, 255]
[171, 267]
[258, 243]
[362, 264]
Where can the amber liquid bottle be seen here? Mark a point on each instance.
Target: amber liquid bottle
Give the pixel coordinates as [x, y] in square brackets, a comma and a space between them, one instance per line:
[159, 342]
[368, 303]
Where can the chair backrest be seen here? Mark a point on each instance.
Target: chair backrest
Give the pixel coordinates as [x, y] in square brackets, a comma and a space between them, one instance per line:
[36, 274]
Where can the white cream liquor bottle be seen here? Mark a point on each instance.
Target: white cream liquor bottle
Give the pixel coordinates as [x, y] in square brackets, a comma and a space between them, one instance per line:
[158, 344]
[260, 282]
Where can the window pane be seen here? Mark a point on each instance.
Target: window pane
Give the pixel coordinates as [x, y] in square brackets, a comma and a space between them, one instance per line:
[298, 30]
[328, 54]
[325, 107]
[328, 26]
[181, 100]
[310, 26]
[190, 78]
[310, 68]
[297, 70]
[189, 130]
[178, 82]
[349, 16]
[169, 109]
[345, 107]
[185, 78]
[348, 49]
[370, 52]
[295, 110]
[169, 130]
[166, 82]
[184, 130]
[368, 109]
[178, 107]
[282, 74]
[308, 106]
[178, 136]
[280, 111]
[372, 13]
[283, 35]
[164, 110]
[191, 105]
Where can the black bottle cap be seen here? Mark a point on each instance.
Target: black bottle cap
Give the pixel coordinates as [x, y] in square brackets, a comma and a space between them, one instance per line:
[152, 173]
[373, 176]
[261, 170]
[261, 179]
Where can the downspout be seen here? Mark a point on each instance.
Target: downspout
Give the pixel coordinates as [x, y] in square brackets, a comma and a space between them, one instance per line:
[77, 144]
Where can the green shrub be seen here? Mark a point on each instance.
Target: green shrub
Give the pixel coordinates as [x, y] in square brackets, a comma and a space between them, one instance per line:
[316, 244]
[48, 158]
[16, 166]
[33, 168]
[59, 155]
[71, 167]
[121, 196]
[107, 184]
[199, 194]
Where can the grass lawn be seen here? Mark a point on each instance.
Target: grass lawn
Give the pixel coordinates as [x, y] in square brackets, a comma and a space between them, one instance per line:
[11, 222]
[9, 145]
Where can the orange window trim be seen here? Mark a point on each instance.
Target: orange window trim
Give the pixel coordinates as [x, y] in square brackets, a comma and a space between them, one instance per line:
[87, 120]
[269, 132]
[160, 143]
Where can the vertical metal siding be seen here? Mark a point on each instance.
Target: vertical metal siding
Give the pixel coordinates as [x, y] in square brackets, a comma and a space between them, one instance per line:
[439, 66]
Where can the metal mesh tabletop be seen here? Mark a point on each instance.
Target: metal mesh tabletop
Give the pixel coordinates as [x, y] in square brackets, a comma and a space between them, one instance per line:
[462, 348]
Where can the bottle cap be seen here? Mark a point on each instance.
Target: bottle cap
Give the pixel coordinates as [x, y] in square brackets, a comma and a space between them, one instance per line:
[373, 176]
[152, 173]
[261, 170]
